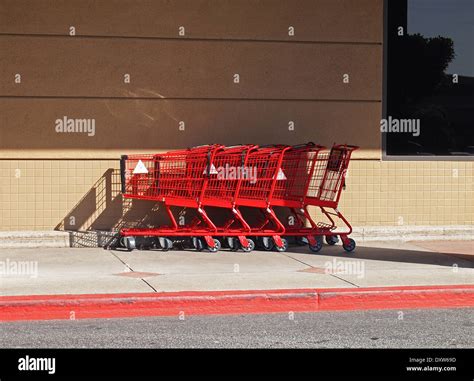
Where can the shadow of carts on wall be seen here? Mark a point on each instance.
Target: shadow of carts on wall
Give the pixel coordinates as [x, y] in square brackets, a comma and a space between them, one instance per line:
[98, 216]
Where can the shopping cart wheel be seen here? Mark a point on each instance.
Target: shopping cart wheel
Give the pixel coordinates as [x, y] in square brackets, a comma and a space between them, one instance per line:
[142, 246]
[165, 243]
[128, 242]
[332, 239]
[318, 245]
[233, 243]
[250, 247]
[284, 246]
[123, 242]
[349, 246]
[198, 243]
[301, 241]
[224, 243]
[217, 246]
[267, 243]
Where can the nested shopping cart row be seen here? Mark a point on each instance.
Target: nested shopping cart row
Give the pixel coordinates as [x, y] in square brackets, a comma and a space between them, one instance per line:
[245, 176]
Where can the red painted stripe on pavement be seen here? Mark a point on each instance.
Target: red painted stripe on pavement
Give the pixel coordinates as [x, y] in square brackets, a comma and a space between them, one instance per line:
[46, 307]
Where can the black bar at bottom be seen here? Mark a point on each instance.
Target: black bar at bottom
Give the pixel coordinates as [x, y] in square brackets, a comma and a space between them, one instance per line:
[337, 364]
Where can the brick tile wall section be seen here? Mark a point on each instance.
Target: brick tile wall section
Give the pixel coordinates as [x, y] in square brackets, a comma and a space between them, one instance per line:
[85, 194]
[409, 193]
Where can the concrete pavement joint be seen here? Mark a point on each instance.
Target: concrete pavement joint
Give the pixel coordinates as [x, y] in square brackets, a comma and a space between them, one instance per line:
[128, 266]
[344, 280]
[297, 260]
[149, 285]
[120, 260]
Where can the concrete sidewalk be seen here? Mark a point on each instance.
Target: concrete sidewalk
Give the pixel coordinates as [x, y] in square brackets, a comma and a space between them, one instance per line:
[97, 271]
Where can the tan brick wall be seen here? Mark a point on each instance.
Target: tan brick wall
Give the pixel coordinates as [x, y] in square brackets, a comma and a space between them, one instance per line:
[45, 194]
[381, 193]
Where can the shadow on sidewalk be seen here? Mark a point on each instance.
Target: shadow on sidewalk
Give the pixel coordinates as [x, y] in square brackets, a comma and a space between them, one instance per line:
[395, 254]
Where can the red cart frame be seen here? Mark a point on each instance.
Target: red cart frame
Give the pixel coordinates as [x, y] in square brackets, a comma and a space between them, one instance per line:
[292, 177]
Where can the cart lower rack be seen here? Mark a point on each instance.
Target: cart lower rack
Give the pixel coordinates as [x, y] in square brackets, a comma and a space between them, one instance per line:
[258, 178]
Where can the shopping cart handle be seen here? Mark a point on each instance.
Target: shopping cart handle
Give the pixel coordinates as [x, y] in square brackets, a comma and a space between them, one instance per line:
[347, 146]
[272, 146]
[309, 144]
[352, 147]
[208, 169]
[123, 158]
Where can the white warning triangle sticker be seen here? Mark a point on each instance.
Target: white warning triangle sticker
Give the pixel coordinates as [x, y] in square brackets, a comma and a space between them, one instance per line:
[281, 175]
[140, 168]
[213, 170]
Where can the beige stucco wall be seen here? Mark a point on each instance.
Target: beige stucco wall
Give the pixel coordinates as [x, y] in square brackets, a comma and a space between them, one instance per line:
[188, 78]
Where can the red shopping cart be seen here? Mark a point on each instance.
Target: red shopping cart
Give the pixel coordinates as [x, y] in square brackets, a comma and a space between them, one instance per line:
[201, 177]
[177, 177]
[315, 178]
[229, 178]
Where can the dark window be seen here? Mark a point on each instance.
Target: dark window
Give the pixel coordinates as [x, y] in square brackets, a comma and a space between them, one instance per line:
[429, 78]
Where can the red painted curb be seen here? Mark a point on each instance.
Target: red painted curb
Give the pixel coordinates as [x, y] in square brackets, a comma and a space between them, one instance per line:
[65, 307]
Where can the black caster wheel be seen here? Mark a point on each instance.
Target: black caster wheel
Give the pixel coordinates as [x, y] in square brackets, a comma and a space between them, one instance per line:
[224, 243]
[155, 243]
[301, 241]
[166, 244]
[142, 246]
[128, 242]
[350, 246]
[250, 247]
[318, 245]
[282, 248]
[144, 243]
[198, 243]
[216, 248]
[267, 243]
[332, 239]
[233, 243]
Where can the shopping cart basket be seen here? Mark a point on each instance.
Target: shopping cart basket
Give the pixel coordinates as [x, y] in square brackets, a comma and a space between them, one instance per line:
[315, 178]
[229, 178]
[196, 178]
